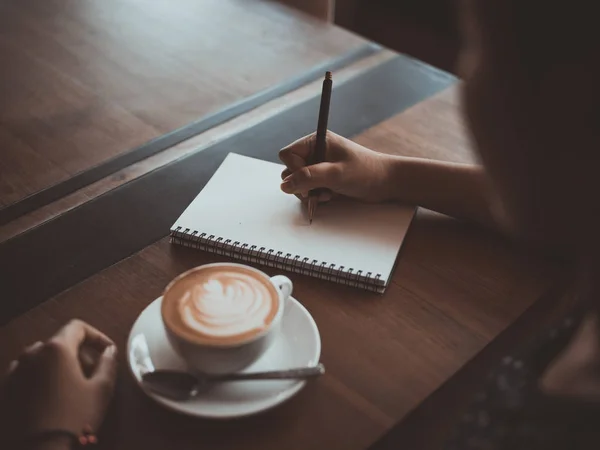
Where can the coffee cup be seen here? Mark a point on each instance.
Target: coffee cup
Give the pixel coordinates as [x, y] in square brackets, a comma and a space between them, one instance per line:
[222, 317]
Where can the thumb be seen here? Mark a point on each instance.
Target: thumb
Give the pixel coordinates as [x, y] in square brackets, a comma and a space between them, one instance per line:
[323, 175]
[106, 369]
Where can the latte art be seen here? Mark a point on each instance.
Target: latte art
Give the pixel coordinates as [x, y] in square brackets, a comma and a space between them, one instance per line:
[220, 305]
[227, 304]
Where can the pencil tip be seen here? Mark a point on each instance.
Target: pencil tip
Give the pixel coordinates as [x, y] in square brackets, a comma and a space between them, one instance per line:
[328, 75]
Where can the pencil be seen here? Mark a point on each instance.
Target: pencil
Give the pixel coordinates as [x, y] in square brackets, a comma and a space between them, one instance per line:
[320, 141]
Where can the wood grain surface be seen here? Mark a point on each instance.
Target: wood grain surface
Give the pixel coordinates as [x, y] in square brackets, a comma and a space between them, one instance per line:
[102, 232]
[85, 81]
[455, 288]
[185, 148]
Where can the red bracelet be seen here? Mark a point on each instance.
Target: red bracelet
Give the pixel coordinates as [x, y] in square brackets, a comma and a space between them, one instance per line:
[77, 440]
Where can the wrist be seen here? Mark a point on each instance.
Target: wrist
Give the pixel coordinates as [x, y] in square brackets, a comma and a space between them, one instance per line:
[393, 180]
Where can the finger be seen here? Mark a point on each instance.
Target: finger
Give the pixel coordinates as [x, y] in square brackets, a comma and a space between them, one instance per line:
[324, 175]
[34, 348]
[31, 350]
[301, 196]
[77, 332]
[296, 155]
[12, 367]
[294, 162]
[325, 196]
[5, 379]
[27, 357]
[88, 358]
[106, 369]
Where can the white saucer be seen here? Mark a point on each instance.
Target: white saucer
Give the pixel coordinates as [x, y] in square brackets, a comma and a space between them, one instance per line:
[298, 346]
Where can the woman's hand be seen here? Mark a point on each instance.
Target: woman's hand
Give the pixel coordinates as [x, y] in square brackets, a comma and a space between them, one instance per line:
[458, 190]
[349, 169]
[60, 384]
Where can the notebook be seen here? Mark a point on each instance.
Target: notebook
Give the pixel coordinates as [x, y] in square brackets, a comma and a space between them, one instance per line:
[242, 213]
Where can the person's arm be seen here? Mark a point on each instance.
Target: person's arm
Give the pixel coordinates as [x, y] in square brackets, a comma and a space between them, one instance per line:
[47, 400]
[457, 190]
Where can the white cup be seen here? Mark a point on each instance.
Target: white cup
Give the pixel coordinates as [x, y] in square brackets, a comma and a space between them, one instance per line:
[219, 358]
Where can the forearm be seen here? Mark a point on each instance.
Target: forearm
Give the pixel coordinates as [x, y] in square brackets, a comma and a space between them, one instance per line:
[458, 190]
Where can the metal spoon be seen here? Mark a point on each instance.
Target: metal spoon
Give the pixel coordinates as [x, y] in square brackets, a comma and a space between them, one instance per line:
[183, 385]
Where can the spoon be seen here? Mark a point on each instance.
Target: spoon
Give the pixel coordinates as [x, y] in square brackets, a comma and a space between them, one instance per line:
[183, 385]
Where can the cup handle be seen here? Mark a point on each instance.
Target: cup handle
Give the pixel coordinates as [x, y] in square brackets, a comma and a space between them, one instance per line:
[284, 284]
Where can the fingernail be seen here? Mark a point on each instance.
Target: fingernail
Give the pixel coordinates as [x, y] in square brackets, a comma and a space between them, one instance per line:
[34, 347]
[110, 351]
[287, 185]
[12, 366]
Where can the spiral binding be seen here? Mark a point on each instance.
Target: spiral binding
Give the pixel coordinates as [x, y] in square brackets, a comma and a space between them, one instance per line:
[277, 259]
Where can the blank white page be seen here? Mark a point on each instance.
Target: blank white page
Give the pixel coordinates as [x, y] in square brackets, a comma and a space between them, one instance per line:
[243, 202]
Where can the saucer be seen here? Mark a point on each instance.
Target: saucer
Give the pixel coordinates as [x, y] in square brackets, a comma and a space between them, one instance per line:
[299, 345]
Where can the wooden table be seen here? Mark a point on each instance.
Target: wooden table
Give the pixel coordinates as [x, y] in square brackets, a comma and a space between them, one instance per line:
[455, 288]
[84, 83]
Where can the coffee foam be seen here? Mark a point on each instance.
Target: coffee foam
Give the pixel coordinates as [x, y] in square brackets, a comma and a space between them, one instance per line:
[221, 305]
